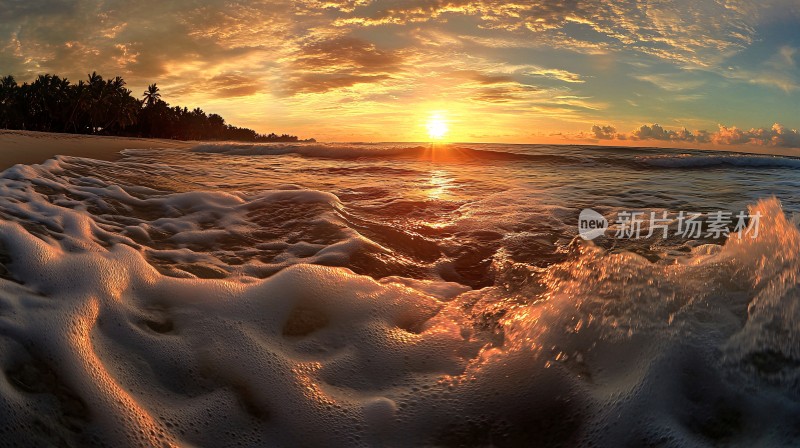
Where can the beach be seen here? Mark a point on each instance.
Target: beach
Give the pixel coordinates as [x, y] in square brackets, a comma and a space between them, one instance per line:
[36, 147]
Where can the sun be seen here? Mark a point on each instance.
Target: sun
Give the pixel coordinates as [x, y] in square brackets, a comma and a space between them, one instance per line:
[437, 127]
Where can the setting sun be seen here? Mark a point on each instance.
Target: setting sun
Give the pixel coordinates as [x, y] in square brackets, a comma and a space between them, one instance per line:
[437, 127]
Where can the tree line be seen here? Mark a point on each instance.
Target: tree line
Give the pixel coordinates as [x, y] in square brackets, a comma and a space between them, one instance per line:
[106, 107]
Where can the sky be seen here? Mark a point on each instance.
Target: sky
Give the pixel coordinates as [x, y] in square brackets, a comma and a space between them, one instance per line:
[694, 72]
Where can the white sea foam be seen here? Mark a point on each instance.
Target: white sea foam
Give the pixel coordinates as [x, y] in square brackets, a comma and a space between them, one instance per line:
[132, 316]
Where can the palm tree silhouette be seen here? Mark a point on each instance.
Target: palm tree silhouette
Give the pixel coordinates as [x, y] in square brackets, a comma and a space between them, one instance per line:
[106, 106]
[8, 98]
[151, 95]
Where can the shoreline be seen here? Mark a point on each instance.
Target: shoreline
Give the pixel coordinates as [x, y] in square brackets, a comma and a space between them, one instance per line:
[32, 147]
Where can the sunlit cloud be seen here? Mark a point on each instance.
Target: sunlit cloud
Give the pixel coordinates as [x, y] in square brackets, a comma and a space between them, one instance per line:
[672, 83]
[224, 85]
[561, 75]
[778, 135]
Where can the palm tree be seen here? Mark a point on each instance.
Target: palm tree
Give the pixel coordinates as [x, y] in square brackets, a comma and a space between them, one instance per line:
[120, 109]
[78, 105]
[8, 82]
[151, 95]
[96, 102]
[8, 95]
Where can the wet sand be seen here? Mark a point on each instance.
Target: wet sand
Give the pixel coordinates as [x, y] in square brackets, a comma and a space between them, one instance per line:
[36, 147]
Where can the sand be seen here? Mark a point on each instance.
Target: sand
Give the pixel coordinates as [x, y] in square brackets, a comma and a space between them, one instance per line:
[36, 147]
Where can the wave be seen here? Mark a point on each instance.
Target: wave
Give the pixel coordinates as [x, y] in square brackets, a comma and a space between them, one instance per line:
[544, 155]
[132, 316]
[349, 151]
[706, 161]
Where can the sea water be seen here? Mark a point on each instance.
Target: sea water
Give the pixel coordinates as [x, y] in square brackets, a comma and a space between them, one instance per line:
[396, 295]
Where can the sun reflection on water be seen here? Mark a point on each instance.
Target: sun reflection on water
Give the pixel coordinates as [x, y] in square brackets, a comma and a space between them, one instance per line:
[440, 185]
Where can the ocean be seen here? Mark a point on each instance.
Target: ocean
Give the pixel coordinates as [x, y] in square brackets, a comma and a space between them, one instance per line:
[400, 295]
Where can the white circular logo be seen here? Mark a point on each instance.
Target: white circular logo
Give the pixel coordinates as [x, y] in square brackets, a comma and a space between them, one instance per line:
[591, 224]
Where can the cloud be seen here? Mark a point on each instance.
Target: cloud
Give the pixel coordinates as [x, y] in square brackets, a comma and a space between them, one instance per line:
[697, 33]
[337, 62]
[561, 75]
[17, 9]
[671, 83]
[778, 135]
[141, 40]
[604, 132]
[654, 132]
[505, 93]
[657, 132]
[489, 87]
[324, 82]
[345, 53]
[645, 132]
[480, 77]
[149, 38]
[779, 71]
[225, 85]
